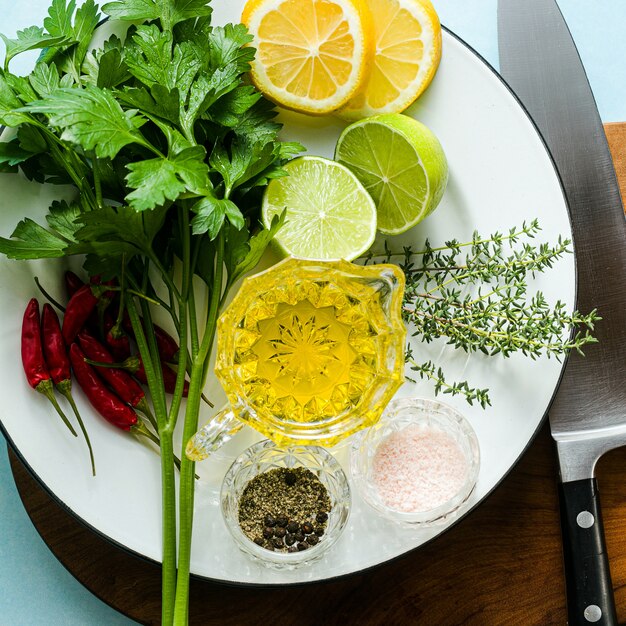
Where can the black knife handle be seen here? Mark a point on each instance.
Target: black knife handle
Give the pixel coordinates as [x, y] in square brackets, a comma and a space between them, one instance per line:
[587, 574]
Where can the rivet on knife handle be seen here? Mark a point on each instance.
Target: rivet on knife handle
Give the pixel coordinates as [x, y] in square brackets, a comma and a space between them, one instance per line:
[587, 573]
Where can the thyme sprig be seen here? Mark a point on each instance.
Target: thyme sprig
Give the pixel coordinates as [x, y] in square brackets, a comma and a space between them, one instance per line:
[475, 295]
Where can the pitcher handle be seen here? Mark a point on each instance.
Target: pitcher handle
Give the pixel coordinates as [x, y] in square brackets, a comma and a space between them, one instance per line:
[215, 433]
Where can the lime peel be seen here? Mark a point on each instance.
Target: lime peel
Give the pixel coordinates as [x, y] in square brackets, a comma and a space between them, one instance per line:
[401, 164]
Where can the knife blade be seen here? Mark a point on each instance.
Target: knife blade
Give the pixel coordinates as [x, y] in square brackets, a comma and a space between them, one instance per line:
[539, 60]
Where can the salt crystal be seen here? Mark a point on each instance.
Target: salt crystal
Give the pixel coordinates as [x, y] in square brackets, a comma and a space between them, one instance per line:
[418, 469]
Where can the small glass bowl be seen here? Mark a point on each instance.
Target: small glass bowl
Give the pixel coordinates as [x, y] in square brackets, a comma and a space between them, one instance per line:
[264, 456]
[398, 415]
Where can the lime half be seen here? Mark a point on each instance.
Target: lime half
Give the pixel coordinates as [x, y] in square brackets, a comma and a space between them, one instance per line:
[329, 216]
[401, 164]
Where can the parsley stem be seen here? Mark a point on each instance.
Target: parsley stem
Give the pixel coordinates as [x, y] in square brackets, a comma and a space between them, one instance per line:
[193, 319]
[166, 276]
[186, 496]
[182, 317]
[168, 486]
[96, 179]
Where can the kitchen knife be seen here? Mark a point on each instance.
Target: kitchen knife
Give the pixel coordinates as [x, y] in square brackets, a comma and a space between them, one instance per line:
[540, 62]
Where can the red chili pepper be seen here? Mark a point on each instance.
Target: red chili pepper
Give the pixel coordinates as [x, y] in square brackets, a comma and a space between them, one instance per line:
[135, 366]
[103, 400]
[72, 283]
[77, 312]
[117, 341]
[122, 383]
[58, 362]
[35, 367]
[55, 351]
[166, 344]
[119, 345]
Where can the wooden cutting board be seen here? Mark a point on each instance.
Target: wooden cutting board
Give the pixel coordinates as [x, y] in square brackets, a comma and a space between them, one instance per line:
[500, 566]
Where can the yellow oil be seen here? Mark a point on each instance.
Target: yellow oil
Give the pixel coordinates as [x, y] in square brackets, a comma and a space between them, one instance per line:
[310, 357]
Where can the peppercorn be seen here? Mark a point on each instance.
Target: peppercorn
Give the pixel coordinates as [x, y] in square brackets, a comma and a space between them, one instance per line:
[259, 541]
[272, 509]
[319, 531]
[307, 528]
[303, 545]
[312, 540]
[321, 517]
[292, 549]
[290, 539]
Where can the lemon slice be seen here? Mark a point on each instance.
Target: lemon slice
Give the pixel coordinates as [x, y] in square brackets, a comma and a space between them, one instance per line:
[408, 50]
[312, 55]
[329, 216]
[401, 164]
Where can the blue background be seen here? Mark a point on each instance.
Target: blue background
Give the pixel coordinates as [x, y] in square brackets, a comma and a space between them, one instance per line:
[34, 588]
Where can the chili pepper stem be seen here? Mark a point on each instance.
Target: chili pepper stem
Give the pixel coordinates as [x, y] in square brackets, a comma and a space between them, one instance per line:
[207, 401]
[48, 296]
[65, 389]
[131, 364]
[144, 407]
[45, 388]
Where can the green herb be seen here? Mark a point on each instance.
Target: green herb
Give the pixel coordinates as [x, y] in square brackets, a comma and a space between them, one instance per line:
[168, 149]
[475, 295]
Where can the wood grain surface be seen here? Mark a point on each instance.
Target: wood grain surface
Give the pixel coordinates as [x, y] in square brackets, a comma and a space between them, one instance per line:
[499, 566]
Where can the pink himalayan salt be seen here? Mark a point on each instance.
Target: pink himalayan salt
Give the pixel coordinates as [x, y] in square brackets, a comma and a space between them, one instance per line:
[418, 469]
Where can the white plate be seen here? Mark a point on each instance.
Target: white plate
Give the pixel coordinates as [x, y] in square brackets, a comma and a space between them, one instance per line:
[500, 175]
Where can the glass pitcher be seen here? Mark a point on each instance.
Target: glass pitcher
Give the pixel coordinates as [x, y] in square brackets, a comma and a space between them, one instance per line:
[308, 352]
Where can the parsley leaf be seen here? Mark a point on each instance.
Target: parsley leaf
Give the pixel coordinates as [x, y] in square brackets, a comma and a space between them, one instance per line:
[248, 160]
[149, 55]
[9, 103]
[121, 224]
[232, 105]
[165, 178]
[160, 103]
[91, 118]
[44, 79]
[112, 69]
[12, 153]
[257, 244]
[105, 67]
[62, 218]
[169, 12]
[228, 44]
[32, 241]
[59, 20]
[210, 214]
[31, 38]
[31, 139]
[85, 22]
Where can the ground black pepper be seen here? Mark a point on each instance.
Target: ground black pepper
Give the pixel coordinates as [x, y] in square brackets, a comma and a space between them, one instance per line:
[283, 498]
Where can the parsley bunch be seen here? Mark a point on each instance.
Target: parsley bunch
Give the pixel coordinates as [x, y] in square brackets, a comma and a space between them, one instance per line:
[168, 150]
